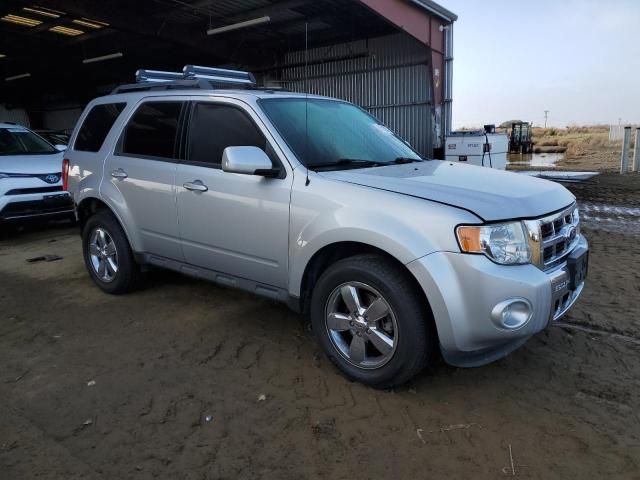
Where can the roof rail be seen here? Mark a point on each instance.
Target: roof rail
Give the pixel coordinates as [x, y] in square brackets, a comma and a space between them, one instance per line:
[163, 85]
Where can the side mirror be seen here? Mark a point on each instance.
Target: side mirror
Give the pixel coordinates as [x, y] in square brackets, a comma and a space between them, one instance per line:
[248, 161]
[60, 148]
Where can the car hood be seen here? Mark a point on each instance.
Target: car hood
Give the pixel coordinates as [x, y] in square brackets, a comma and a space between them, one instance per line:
[31, 164]
[490, 194]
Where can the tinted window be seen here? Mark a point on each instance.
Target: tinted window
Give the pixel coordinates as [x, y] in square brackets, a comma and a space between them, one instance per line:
[96, 126]
[152, 130]
[216, 127]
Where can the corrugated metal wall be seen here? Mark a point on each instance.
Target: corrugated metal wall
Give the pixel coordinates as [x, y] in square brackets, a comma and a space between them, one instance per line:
[61, 119]
[388, 76]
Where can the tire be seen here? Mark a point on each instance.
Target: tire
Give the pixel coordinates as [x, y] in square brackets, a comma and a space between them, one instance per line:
[408, 322]
[125, 276]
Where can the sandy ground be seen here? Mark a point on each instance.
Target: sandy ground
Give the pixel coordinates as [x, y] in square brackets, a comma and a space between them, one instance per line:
[198, 382]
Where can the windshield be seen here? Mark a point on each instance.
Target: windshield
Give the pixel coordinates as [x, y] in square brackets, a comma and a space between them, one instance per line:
[55, 138]
[340, 135]
[20, 141]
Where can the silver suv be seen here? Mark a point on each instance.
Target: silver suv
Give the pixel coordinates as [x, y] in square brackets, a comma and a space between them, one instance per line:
[311, 201]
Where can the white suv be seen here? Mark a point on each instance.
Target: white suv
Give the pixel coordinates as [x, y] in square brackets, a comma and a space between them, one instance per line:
[311, 201]
[30, 176]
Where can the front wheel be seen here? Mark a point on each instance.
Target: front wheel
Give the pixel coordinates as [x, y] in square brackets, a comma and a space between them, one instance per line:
[107, 254]
[371, 321]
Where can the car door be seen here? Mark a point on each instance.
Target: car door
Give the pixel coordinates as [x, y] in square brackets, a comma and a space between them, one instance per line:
[143, 169]
[232, 223]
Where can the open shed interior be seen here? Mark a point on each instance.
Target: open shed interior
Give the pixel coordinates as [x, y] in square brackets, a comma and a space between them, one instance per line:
[391, 57]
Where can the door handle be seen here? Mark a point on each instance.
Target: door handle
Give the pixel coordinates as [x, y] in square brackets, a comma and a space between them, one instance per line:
[196, 186]
[119, 173]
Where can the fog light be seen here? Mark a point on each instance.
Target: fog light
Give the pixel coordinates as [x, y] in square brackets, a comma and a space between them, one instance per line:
[512, 314]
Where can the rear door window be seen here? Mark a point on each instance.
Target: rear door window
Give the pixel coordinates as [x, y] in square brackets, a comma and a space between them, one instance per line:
[96, 126]
[152, 131]
[215, 127]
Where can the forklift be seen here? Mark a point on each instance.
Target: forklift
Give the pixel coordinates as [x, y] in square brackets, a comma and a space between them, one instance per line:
[520, 138]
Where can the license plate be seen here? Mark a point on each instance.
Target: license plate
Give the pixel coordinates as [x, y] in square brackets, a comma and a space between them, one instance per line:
[578, 264]
[55, 198]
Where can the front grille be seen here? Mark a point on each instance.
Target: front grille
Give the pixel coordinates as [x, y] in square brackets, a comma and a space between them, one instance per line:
[27, 191]
[553, 237]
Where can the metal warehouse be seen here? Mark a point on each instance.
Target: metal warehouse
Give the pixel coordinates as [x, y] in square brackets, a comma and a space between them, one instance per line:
[392, 57]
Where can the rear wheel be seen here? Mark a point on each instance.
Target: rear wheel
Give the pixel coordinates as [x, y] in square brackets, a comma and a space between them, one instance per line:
[107, 254]
[371, 322]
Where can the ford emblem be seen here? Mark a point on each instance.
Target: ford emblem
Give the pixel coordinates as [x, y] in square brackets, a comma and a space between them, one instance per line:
[51, 178]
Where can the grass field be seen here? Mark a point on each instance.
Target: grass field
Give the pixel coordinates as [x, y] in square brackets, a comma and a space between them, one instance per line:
[585, 148]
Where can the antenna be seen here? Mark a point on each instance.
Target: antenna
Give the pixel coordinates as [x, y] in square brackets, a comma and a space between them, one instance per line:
[306, 98]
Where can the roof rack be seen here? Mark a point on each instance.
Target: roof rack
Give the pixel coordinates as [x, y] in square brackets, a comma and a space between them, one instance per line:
[219, 75]
[157, 76]
[192, 76]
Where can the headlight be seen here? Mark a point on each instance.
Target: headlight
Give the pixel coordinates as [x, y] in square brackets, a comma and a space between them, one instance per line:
[504, 243]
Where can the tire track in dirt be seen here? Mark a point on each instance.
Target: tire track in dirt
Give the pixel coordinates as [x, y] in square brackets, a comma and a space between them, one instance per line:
[610, 218]
[180, 351]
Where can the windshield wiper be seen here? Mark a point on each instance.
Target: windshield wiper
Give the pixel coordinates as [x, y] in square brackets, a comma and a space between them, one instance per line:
[359, 163]
[348, 162]
[400, 160]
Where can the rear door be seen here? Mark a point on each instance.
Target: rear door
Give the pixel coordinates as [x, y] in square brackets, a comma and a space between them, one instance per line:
[143, 169]
[240, 224]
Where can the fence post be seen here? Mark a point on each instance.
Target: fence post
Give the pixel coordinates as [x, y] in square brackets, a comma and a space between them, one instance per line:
[624, 160]
[636, 152]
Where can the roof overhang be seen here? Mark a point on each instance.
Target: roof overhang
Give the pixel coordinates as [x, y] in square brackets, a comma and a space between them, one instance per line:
[422, 19]
[436, 9]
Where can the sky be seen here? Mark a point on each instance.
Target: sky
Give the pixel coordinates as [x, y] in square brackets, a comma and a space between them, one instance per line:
[579, 59]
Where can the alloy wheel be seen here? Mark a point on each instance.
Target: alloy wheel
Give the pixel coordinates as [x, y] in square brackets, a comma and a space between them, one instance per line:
[361, 325]
[103, 254]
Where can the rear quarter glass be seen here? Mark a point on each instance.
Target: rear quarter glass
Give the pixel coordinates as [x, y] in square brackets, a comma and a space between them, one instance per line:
[96, 126]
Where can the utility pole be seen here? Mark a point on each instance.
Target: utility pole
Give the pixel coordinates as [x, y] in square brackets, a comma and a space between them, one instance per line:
[546, 114]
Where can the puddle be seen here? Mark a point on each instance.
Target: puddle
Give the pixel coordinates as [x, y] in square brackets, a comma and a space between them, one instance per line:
[547, 160]
[610, 218]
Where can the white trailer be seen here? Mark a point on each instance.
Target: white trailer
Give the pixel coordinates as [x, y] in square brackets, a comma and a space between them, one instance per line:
[478, 148]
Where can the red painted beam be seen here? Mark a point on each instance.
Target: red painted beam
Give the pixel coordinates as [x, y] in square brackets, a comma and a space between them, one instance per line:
[415, 21]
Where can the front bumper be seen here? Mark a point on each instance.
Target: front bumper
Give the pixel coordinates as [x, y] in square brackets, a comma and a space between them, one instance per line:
[31, 206]
[463, 290]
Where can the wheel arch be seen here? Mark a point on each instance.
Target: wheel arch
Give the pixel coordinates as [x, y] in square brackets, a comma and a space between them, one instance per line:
[89, 206]
[331, 253]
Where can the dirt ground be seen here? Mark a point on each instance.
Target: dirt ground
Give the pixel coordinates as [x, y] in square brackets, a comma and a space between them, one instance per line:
[195, 381]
